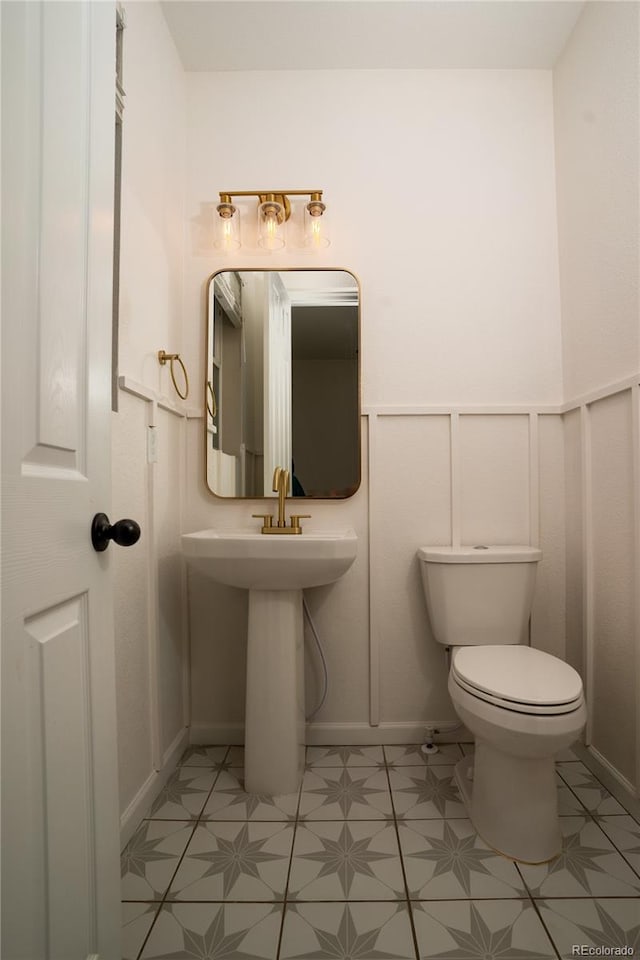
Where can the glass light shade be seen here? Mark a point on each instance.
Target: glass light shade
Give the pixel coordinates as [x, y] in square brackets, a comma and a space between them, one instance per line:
[315, 226]
[226, 227]
[271, 225]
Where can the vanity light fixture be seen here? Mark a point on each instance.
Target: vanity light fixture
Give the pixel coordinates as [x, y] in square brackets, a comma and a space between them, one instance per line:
[315, 231]
[227, 225]
[271, 218]
[274, 209]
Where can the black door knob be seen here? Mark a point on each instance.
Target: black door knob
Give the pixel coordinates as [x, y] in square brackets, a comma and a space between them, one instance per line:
[124, 532]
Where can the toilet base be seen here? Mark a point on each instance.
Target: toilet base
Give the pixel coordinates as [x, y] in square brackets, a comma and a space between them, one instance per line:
[512, 803]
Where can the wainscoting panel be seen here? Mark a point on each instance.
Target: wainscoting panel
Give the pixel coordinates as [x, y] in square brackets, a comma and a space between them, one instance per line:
[602, 458]
[613, 707]
[574, 567]
[548, 618]
[439, 476]
[412, 507]
[152, 643]
[494, 471]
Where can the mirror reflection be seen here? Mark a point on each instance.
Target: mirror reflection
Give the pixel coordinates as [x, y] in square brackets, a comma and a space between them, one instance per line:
[283, 382]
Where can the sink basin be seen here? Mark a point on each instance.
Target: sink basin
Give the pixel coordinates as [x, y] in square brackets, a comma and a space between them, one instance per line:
[257, 561]
[275, 569]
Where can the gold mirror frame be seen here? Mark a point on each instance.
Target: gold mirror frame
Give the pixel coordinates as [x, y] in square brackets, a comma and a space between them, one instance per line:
[207, 376]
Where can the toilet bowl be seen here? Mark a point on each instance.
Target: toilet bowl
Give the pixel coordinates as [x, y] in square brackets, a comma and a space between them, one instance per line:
[512, 800]
[522, 705]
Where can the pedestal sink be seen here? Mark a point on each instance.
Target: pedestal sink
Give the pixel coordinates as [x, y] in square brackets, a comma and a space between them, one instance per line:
[275, 570]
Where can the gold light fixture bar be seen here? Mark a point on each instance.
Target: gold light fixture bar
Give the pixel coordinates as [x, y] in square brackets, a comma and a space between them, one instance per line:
[274, 209]
[279, 196]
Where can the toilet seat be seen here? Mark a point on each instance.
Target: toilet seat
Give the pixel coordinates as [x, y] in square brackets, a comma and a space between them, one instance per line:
[518, 678]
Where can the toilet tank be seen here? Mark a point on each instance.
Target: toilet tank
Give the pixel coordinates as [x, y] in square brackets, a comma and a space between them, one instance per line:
[479, 595]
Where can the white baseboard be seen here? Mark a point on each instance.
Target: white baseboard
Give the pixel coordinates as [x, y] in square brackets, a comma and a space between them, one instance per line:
[150, 789]
[386, 733]
[175, 750]
[341, 733]
[211, 733]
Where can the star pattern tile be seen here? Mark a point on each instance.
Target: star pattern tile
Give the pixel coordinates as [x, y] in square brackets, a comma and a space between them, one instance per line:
[588, 865]
[235, 861]
[346, 860]
[150, 858]
[136, 923]
[214, 932]
[184, 795]
[481, 930]
[347, 931]
[229, 801]
[624, 833]
[357, 793]
[215, 873]
[594, 795]
[611, 934]
[445, 859]
[606, 924]
[426, 793]
[568, 803]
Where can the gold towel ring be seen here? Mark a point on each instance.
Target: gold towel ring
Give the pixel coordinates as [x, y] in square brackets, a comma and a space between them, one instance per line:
[163, 356]
[212, 412]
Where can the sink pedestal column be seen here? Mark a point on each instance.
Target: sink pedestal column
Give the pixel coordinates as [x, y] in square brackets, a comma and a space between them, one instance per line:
[274, 718]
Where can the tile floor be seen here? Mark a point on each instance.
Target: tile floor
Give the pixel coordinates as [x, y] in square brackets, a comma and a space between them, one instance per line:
[374, 858]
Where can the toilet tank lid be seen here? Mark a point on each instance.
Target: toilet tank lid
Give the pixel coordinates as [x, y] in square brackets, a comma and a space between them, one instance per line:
[481, 553]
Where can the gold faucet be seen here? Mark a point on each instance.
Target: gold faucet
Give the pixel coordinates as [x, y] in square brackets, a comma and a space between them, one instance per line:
[281, 487]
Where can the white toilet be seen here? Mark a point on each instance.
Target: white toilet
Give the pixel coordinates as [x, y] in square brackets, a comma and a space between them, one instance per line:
[522, 705]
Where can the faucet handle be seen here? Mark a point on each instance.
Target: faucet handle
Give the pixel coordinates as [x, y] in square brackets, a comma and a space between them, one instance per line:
[268, 519]
[297, 517]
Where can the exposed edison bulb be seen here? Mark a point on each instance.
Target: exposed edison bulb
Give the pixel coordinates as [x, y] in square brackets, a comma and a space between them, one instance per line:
[315, 225]
[316, 233]
[270, 225]
[227, 228]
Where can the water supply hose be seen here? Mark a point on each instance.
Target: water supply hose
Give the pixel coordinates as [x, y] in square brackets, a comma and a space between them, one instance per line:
[325, 672]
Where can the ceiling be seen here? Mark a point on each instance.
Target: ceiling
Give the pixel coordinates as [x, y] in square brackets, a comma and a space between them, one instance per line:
[370, 34]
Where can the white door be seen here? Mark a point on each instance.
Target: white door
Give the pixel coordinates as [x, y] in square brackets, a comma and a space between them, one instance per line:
[60, 831]
[277, 378]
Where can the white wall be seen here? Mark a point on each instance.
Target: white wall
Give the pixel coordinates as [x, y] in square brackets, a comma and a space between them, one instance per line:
[151, 650]
[441, 187]
[596, 129]
[595, 86]
[153, 196]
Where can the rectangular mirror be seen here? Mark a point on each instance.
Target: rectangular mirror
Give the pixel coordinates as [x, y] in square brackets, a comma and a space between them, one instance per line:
[283, 382]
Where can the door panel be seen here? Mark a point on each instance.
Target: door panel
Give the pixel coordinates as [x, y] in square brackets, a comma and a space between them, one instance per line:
[60, 830]
[60, 728]
[62, 230]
